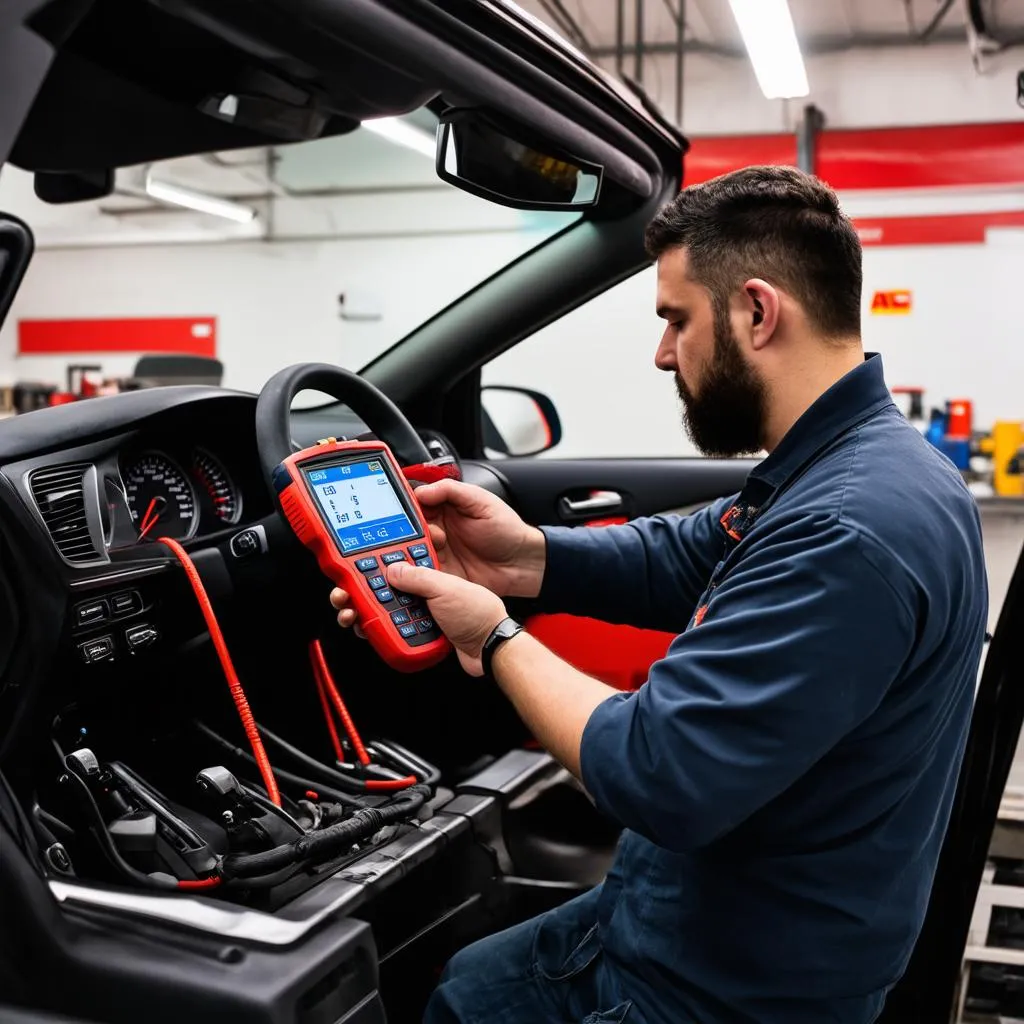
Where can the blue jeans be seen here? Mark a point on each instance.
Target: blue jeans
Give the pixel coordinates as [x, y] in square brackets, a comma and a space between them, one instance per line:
[550, 968]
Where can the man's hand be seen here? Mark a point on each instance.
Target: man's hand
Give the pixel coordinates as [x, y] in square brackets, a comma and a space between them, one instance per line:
[479, 538]
[465, 612]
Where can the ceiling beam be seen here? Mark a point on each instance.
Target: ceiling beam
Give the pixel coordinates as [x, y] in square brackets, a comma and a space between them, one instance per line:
[810, 47]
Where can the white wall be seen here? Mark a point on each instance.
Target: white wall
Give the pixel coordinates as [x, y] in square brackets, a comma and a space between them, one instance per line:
[275, 303]
[962, 340]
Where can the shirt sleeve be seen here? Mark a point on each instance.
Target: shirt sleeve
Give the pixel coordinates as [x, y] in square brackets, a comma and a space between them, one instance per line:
[648, 573]
[799, 644]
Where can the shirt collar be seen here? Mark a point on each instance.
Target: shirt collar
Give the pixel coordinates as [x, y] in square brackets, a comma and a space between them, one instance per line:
[852, 398]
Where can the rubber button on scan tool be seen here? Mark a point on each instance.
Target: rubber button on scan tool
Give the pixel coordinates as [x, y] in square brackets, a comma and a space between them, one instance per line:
[425, 625]
[405, 600]
[384, 596]
[377, 582]
[366, 564]
[425, 563]
[418, 551]
[399, 618]
[393, 556]
[408, 631]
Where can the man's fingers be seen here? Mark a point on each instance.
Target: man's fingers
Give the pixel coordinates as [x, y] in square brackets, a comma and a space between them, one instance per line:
[413, 579]
[438, 536]
[339, 598]
[464, 497]
[347, 617]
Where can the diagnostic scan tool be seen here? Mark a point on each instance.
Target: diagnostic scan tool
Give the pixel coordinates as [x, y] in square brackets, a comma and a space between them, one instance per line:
[349, 503]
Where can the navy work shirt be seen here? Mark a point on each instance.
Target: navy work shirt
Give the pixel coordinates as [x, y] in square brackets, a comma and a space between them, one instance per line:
[786, 773]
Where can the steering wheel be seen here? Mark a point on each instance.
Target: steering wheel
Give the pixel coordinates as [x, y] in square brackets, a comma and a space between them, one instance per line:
[373, 407]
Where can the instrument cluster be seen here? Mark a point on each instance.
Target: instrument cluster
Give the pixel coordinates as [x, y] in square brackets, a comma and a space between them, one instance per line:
[178, 496]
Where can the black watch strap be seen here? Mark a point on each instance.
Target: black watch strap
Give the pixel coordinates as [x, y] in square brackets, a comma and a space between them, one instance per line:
[504, 630]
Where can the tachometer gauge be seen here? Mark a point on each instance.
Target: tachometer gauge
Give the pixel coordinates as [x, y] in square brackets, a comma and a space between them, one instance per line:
[219, 498]
[161, 498]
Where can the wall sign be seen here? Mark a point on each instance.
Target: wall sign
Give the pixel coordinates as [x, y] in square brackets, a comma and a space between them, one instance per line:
[190, 335]
[898, 303]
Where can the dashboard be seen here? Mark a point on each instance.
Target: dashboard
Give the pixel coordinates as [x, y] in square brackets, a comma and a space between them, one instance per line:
[190, 472]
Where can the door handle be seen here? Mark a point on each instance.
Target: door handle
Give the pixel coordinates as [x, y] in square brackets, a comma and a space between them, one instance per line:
[598, 503]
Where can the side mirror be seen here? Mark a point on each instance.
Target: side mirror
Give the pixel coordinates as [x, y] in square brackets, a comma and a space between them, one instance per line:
[482, 156]
[517, 421]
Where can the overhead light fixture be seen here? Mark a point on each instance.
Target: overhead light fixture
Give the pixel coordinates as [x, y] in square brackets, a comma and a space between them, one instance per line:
[177, 195]
[768, 34]
[394, 129]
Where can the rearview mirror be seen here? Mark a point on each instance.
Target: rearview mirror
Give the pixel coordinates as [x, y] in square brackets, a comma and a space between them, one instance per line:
[480, 156]
[517, 421]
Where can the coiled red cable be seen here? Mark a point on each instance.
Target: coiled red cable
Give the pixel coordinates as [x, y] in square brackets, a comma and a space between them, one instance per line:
[234, 684]
[329, 692]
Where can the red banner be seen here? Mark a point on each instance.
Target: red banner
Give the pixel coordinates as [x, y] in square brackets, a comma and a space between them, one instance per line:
[191, 335]
[936, 156]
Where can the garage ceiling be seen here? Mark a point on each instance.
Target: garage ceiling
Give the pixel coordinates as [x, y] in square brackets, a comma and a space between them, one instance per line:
[308, 178]
[821, 25]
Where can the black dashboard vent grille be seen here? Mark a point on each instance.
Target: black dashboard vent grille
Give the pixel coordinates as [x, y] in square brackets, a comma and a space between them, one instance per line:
[60, 497]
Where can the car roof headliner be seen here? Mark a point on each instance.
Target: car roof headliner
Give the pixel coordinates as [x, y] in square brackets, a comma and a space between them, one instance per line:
[127, 85]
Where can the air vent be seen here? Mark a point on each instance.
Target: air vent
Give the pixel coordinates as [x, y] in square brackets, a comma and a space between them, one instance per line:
[60, 496]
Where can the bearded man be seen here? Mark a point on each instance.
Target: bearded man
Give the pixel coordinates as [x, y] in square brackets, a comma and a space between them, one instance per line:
[784, 777]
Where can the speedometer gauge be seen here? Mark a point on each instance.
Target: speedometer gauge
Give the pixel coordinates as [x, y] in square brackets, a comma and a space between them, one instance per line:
[160, 497]
[219, 498]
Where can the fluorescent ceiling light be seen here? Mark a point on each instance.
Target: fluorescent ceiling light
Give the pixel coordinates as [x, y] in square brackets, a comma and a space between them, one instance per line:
[770, 39]
[176, 195]
[394, 129]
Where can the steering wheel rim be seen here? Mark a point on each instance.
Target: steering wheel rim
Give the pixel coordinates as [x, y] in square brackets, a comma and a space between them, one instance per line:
[374, 408]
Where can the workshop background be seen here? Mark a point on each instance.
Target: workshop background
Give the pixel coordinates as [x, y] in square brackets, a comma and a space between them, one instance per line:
[333, 250]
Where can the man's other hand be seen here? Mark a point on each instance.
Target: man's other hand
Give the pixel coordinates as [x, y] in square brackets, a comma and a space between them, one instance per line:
[480, 539]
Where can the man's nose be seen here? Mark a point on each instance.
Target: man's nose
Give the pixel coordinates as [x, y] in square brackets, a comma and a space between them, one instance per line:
[665, 356]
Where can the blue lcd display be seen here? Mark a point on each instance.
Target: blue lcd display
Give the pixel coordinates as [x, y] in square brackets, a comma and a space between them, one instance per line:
[359, 501]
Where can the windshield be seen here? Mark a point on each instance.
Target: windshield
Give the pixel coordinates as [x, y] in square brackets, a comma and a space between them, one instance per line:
[330, 250]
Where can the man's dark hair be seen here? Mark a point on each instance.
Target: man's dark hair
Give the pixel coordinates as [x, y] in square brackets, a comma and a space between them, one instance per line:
[776, 223]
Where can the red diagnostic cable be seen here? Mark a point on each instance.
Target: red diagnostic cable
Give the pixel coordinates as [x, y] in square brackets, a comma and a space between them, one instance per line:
[200, 883]
[234, 684]
[328, 689]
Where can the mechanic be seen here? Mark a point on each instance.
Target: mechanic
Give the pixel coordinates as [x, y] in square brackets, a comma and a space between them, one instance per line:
[785, 775]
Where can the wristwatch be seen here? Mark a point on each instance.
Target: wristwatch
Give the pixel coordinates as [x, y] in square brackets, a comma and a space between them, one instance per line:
[504, 630]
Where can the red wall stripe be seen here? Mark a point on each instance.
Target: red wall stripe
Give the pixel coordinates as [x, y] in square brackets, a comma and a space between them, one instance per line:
[948, 229]
[192, 335]
[938, 156]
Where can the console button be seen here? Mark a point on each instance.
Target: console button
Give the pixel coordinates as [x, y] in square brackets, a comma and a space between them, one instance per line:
[399, 618]
[245, 543]
[99, 649]
[393, 556]
[377, 582]
[366, 564]
[425, 563]
[140, 637]
[384, 596]
[424, 625]
[408, 631]
[122, 604]
[417, 611]
[405, 600]
[91, 611]
[418, 551]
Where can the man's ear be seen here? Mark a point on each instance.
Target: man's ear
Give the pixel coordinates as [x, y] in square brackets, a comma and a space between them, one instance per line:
[763, 306]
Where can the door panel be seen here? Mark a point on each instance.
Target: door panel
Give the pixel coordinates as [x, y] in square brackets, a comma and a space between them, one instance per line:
[605, 492]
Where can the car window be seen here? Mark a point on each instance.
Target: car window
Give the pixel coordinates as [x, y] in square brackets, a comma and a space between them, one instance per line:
[596, 364]
[353, 242]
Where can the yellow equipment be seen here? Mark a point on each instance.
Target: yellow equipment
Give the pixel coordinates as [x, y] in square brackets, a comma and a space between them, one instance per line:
[1004, 445]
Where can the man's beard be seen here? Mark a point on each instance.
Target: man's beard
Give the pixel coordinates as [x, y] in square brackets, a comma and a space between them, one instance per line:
[727, 417]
